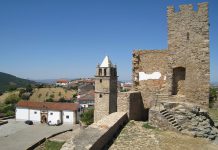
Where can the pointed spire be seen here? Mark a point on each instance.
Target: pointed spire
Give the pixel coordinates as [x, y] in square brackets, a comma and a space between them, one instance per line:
[106, 62]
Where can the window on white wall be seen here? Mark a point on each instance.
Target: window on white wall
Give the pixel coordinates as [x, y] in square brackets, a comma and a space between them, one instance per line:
[51, 113]
[35, 112]
[67, 117]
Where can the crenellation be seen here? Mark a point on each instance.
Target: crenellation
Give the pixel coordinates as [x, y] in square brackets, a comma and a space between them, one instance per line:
[186, 8]
[188, 50]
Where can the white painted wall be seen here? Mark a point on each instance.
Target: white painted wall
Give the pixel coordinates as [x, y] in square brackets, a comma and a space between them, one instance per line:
[71, 115]
[54, 116]
[146, 76]
[35, 115]
[22, 113]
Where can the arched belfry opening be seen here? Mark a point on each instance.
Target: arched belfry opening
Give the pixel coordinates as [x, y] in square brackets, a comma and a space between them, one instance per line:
[179, 81]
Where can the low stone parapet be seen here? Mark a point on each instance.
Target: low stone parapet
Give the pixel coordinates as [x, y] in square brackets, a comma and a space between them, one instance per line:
[98, 135]
[132, 103]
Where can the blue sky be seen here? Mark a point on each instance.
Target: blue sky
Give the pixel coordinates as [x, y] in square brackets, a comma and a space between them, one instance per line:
[46, 39]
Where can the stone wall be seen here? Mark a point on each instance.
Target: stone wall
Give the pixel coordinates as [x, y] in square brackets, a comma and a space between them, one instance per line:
[131, 102]
[98, 135]
[188, 44]
[155, 71]
[149, 62]
[193, 120]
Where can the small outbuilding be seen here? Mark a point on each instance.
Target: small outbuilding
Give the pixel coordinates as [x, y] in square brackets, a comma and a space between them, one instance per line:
[47, 112]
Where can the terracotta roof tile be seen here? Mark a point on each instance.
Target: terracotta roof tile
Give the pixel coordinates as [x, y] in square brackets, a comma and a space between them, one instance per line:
[48, 105]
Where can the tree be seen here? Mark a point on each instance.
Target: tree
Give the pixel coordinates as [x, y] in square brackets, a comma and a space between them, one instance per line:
[1, 93]
[88, 116]
[61, 99]
[29, 88]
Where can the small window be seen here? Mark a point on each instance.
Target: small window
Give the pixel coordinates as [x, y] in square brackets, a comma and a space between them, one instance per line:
[51, 113]
[100, 80]
[100, 96]
[67, 117]
[35, 112]
[105, 72]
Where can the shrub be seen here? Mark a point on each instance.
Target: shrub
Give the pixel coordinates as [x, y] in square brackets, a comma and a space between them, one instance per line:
[29, 88]
[147, 126]
[52, 96]
[88, 116]
[74, 95]
[10, 113]
[49, 100]
[59, 94]
[21, 91]
[12, 88]
[40, 95]
[61, 99]
[12, 99]
[213, 97]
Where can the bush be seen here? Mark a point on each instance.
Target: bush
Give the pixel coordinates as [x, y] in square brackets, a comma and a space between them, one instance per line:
[10, 113]
[49, 100]
[61, 99]
[26, 96]
[12, 99]
[29, 88]
[12, 88]
[21, 91]
[74, 95]
[147, 126]
[40, 95]
[88, 116]
[52, 96]
[213, 97]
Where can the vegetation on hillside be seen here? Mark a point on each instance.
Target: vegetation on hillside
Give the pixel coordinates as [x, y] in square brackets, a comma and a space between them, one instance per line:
[8, 107]
[10, 83]
[50, 94]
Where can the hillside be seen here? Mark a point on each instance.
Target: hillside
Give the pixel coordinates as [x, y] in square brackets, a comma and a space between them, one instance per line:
[42, 94]
[8, 81]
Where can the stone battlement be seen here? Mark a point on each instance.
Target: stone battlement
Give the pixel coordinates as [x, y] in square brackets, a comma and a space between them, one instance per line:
[188, 8]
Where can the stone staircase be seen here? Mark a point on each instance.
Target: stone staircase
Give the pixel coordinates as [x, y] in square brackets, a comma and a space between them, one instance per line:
[171, 119]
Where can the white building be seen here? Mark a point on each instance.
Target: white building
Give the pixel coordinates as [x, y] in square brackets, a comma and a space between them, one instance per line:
[61, 83]
[47, 112]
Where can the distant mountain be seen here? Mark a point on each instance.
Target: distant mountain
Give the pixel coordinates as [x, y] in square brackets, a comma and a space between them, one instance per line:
[8, 82]
[51, 81]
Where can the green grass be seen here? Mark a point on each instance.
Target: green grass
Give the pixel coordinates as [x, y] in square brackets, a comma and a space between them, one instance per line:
[214, 114]
[147, 126]
[53, 145]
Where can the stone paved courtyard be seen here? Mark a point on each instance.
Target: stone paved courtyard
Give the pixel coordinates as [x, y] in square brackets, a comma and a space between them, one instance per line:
[135, 136]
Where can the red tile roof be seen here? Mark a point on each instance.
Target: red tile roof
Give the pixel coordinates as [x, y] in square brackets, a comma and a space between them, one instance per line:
[48, 105]
[61, 81]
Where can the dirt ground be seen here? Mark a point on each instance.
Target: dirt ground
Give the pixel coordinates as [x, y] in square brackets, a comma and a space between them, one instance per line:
[135, 136]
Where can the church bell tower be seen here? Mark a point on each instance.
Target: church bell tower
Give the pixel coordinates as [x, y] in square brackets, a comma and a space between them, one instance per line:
[105, 89]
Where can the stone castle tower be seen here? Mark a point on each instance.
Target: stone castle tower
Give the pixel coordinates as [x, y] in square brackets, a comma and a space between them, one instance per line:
[180, 73]
[105, 89]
